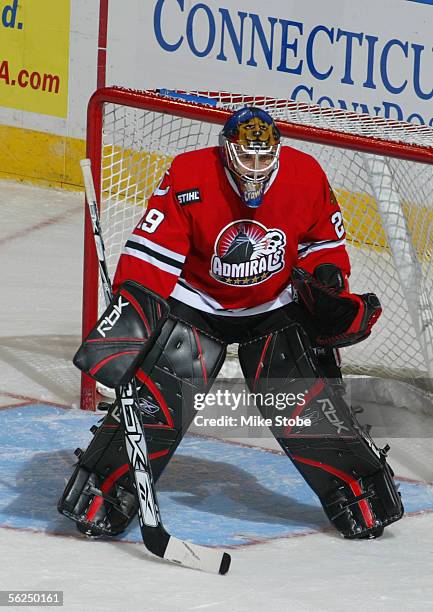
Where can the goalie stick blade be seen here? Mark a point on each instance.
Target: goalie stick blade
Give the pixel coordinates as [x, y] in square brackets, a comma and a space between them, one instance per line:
[165, 546]
[197, 557]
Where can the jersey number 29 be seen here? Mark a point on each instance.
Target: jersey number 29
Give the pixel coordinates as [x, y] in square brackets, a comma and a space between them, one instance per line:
[337, 221]
[152, 220]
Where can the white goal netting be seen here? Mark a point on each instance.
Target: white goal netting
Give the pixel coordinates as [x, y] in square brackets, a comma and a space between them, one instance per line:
[387, 205]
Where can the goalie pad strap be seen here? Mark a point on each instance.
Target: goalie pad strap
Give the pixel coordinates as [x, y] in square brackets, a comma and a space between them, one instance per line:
[359, 495]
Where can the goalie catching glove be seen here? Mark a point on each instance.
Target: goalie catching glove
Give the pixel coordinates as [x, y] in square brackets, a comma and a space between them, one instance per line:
[342, 318]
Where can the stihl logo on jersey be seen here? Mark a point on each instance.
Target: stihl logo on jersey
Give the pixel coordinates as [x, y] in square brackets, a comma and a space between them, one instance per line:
[331, 414]
[109, 321]
[247, 253]
[188, 197]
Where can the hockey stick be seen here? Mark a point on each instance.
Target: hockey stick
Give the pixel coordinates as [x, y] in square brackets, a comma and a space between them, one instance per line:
[155, 538]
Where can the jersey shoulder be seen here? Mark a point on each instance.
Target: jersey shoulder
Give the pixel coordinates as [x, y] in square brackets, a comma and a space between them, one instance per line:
[196, 165]
[300, 165]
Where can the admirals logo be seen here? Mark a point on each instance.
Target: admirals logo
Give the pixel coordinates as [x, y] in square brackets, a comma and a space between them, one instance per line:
[247, 253]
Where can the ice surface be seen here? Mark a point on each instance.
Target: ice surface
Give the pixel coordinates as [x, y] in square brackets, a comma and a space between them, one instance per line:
[301, 565]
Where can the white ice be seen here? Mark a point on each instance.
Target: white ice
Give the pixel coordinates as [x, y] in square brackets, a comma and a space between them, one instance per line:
[41, 265]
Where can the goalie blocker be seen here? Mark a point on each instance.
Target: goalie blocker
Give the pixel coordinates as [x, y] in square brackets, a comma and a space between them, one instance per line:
[337, 458]
[126, 331]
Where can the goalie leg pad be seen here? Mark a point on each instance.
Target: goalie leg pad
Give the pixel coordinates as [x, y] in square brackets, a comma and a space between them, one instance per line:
[334, 454]
[100, 495]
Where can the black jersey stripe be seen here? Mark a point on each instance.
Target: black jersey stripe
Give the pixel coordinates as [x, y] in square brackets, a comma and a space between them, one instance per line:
[316, 246]
[131, 244]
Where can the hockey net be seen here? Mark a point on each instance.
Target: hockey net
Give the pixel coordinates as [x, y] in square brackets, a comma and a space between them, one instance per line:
[381, 172]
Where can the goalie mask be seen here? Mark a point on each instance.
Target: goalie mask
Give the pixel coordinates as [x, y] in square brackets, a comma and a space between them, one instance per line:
[250, 147]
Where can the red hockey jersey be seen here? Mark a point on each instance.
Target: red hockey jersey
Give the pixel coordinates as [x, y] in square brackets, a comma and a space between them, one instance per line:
[199, 243]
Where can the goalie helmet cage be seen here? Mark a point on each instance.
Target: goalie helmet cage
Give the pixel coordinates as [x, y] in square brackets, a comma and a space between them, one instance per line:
[381, 172]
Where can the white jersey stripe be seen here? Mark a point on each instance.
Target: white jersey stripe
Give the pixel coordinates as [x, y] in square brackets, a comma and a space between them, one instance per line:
[306, 245]
[152, 260]
[318, 246]
[157, 247]
[201, 301]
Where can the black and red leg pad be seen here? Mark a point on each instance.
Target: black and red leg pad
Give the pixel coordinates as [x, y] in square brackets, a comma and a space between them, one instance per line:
[334, 454]
[99, 496]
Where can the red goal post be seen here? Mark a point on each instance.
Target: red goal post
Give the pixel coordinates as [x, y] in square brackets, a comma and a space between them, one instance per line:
[381, 171]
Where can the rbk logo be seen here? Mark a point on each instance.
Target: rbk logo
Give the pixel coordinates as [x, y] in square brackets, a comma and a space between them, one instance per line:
[331, 414]
[110, 320]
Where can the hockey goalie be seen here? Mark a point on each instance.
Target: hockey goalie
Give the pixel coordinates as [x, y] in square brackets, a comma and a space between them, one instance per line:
[240, 243]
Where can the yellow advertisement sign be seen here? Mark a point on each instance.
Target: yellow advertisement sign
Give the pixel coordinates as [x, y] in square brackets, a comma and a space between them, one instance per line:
[34, 55]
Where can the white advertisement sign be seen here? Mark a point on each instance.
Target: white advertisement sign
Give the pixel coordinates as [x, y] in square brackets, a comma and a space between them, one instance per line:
[374, 57]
